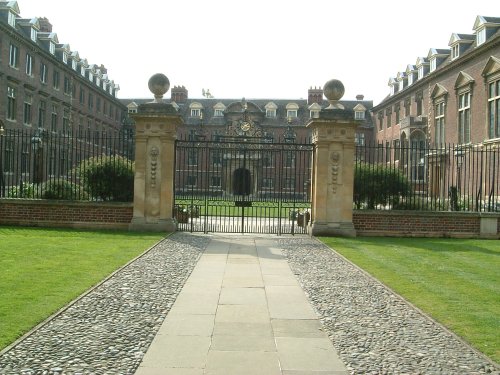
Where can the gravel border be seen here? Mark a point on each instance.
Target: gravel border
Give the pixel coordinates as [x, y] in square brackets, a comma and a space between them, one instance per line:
[108, 329]
[375, 330]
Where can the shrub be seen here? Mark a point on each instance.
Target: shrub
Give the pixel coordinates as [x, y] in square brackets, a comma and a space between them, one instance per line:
[63, 189]
[376, 184]
[24, 190]
[108, 178]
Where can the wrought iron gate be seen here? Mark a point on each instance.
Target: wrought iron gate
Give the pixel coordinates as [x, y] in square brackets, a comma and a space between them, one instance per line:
[242, 185]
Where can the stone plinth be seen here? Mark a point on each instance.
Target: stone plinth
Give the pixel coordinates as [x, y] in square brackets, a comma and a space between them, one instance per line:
[156, 127]
[333, 173]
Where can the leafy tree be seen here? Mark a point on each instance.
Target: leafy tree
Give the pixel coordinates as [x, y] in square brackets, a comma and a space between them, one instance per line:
[376, 184]
[108, 178]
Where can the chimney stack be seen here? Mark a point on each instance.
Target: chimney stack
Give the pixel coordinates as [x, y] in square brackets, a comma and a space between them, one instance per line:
[360, 97]
[179, 94]
[45, 25]
[315, 95]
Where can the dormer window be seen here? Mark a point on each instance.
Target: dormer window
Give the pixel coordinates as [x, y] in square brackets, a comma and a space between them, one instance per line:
[12, 19]
[98, 81]
[34, 34]
[82, 71]
[52, 48]
[271, 110]
[292, 110]
[455, 51]
[73, 64]
[433, 64]
[314, 110]
[420, 72]
[219, 110]
[65, 57]
[91, 77]
[359, 115]
[481, 36]
[195, 108]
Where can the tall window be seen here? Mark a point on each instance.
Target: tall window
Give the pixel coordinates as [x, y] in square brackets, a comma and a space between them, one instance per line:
[419, 100]
[82, 95]
[13, 56]
[41, 114]
[55, 79]
[481, 36]
[28, 99]
[389, 118]
[407, 107]
[11, 103]
[90, 101]
[66, 126]
[43, 73]
[67, 85]
[494, 109]
[8, 166]
[29, 64]
[53, 119]
[25, 153]
[359, 139]
[420, 72]
[397, 149]
[439, 124]
[464, 118]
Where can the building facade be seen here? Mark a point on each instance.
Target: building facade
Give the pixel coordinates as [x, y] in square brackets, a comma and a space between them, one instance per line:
[46, 85]
[449, 96]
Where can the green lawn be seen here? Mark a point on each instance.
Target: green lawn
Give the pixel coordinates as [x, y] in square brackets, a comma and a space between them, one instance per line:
[457, 282]
[41, 270]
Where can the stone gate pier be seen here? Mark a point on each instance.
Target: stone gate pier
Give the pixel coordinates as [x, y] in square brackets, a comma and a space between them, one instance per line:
[156, 127]
[333, 167]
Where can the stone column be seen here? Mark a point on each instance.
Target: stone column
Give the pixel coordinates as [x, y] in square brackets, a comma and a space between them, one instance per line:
[333, 169]
[156, 127]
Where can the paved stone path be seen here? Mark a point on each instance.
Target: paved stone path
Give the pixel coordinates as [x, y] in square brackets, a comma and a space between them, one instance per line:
[241, 312]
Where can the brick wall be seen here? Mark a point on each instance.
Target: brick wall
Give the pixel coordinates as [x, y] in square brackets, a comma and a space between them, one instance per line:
[420, 224]
[49, 213]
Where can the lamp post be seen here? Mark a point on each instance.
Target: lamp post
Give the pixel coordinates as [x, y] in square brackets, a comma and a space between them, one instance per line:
[2, 183]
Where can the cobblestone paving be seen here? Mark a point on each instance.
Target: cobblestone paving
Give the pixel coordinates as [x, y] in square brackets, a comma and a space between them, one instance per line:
[374, 330]
[109, 330]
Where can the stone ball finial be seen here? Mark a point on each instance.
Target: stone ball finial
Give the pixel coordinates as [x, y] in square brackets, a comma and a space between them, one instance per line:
[334, 90]
[158, 84]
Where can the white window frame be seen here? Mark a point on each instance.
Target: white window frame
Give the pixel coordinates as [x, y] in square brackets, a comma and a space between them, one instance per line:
[27, 110]
[359, 115]
[291, 113]
[481, 36]
[270, 113]
[43, 72]
[82, 71]
[52, 48]
[432, 64]
[29, 65]
[314, 113]
[34, 34]
[13, 56]
[455, 51]
[439, 121]
[410, 79]
[494, 109]
[195, 112]
[65, 57]
[464, 117]
[74, 65]
[218, 113]
[12, 19]
[359, 139]
[420, 72]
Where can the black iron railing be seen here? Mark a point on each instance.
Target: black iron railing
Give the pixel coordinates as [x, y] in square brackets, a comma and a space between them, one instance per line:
[41, 164]
[418, 177]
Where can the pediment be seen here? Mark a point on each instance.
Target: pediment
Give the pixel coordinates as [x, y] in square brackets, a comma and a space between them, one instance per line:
[438, 90]
[292, 106]
[492, 66]
[359, 108]
[463, 79]
[314, 107]
[271, 106]
[220, 105]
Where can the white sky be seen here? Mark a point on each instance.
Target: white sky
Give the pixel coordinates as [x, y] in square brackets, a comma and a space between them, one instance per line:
[257, 48]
